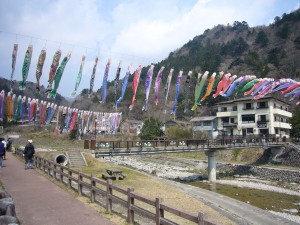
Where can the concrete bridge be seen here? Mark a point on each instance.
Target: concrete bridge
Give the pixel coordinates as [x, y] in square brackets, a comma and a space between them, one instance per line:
[210, 146]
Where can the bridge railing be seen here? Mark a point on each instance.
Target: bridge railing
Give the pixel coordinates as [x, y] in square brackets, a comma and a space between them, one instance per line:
[237, 140]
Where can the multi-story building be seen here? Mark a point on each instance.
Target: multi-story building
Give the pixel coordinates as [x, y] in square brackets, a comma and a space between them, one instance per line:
[246, 116]
[205, 124]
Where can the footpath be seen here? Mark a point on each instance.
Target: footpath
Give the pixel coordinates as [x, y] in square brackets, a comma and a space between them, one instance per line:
[39, 201]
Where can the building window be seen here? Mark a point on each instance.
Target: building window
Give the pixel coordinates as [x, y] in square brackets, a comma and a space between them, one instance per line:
[197, 124]
[225, 120]
[248, 118]
[231, 120]
[249, 131]
[262, 118]
[223, 109]
[234, 108]
[262, 105]
[206, 123]
[248, 106]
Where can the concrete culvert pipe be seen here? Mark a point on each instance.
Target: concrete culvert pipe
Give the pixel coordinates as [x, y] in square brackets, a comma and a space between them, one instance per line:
[61, 159]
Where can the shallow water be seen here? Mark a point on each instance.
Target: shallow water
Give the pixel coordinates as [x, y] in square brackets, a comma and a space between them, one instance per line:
[263, 199]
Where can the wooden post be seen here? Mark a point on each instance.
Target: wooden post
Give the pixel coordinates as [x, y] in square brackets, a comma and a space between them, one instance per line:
[69, 177]
[79, 183]
[93, 192]
[44, 165]
[54, 171]
[200, 218]
[130, 202]
[61, 174]
[49, 168]
[108, 198]
[159, 212]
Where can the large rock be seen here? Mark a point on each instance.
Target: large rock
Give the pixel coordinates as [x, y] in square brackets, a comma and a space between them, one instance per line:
[7, 207]
[8, 220]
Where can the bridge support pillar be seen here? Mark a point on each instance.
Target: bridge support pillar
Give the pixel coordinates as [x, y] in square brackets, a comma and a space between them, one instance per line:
[212, 165]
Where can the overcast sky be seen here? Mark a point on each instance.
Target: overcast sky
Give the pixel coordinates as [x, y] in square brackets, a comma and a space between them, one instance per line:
[134, 31]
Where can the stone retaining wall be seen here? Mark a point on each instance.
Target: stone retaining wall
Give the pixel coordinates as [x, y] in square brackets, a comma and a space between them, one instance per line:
[7, 209]
[263, 172]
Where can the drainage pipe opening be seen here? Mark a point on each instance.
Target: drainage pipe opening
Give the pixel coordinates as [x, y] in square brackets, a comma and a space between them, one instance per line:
[61, 159]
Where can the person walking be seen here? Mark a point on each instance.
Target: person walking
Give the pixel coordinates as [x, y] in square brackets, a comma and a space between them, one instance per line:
[2, 151]
[4, 142]
[28, 154]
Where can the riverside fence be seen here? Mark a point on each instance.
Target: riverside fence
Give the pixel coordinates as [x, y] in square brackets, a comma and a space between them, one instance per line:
[113, 198]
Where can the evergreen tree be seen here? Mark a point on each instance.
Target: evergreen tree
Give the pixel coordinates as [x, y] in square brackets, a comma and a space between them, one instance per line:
[151, 129]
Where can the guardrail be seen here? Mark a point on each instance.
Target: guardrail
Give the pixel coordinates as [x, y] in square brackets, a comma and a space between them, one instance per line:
[109, 196]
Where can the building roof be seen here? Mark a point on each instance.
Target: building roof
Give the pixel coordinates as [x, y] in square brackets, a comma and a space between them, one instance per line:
[203, 118]
[251, 99]
[134, 121]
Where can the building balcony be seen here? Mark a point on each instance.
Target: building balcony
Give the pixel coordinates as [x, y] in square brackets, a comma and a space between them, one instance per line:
[262, 107]
[282, 125]
[281, 112]
[248, 108]
[227, 124]
[227, 114]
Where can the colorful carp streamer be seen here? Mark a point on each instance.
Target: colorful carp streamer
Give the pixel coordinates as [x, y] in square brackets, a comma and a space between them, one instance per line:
[135, 83]
[13, 65]
[209, 87]
[148, 82]
[18, 110]
[167, 88]
[199, 89]
[78, 76]
[28, 109]
[2, 96]
[187, 87]
[104, 83]
[157, 84]
[93, 77]
[13, 105]
[25, 68]
[22, 109]
[9, 107]
[116, 81]
[124, 86]
[39, 68]
[178, 82]
[53, 68]
[58, 76]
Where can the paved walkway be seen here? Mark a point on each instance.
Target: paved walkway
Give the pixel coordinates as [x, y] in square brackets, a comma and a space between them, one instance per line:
[39, 201]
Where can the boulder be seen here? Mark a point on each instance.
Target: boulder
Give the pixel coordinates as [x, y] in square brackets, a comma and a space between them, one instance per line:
[8, 220]
[7, 207]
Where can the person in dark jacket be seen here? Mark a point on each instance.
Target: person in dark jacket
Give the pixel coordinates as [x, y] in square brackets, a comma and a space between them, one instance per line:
[28, 154]
[2, 151]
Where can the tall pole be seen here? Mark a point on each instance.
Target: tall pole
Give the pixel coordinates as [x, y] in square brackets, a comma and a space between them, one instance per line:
[96, 122]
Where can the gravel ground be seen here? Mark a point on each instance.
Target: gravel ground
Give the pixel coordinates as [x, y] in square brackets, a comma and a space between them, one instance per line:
[176, 172]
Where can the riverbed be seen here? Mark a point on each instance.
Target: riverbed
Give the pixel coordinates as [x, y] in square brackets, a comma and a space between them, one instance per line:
[277, 197]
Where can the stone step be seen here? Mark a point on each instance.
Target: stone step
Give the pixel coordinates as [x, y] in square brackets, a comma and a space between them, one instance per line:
[76, 158]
